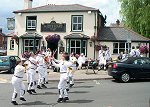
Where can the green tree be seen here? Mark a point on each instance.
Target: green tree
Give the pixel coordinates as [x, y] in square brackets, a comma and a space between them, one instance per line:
[136, 15]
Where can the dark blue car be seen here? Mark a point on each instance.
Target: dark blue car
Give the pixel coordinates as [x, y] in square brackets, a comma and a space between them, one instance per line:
[130, 68]
[8, 63]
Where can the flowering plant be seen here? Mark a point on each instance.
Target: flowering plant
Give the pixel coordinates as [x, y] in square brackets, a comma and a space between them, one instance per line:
[144, 49]
[93, 38]
[53, 38]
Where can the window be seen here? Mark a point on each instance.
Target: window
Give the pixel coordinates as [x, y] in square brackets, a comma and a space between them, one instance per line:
[12, 44]
[29, 45]
[78, 46]
[31, 22]
[77, 23]
[121, 47]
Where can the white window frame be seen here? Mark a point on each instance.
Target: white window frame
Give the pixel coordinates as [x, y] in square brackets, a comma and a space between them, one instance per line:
[75, 45]
[125, 49]
[29, 44]
[77, 23]
[31, 27]
[12, 44]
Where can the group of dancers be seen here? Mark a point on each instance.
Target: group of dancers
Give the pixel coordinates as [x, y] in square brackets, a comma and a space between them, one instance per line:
[37, 64]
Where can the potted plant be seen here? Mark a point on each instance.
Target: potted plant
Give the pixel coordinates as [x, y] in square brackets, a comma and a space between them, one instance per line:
[53, 38]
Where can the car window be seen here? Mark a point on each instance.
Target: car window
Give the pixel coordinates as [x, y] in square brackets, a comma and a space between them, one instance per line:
[3, 59]
[17, 58]
[146, 61]
[138, 61]
[12, 58]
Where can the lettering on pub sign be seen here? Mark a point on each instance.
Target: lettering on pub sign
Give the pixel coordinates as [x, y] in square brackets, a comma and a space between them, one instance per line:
[53, 27]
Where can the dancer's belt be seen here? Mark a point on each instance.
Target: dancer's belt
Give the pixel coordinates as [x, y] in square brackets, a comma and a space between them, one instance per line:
[33, 68]
[18, 76]
[63, 72]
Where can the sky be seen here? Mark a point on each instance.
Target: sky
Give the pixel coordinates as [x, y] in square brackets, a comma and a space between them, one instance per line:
[110, 8]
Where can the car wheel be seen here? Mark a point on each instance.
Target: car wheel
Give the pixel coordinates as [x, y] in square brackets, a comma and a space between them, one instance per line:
[125, 77]
[11, 70]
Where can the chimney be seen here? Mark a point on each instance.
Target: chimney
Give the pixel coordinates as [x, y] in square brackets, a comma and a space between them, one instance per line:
[28, 4]
[0, 30]
[117, 23]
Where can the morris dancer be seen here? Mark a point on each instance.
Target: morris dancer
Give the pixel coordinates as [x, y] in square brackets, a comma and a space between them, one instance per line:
[17, 82]
[64, 64]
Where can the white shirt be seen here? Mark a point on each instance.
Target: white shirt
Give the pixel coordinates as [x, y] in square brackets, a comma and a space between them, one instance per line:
[73, 60]
[100, 53]
[133, 53]
[138, 52]
[40, 60]
[19, 71]
[81, 59]
[63, 65]
[33, 64]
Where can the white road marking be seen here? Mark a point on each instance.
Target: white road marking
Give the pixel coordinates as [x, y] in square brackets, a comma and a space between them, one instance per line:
[96, 82]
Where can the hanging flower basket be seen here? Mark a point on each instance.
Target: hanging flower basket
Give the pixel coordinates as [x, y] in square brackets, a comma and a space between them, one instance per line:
[97, 47]
[16, 38]
[144, 49]
[93, 38]
[53, 38]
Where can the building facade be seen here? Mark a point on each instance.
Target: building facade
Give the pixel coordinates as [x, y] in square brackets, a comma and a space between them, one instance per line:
[58, 27]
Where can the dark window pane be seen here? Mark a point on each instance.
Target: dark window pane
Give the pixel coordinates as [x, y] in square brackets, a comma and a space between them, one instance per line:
[37, 43]
[78, 51]
[72, 43]
[79, 19]
[78, 43]
[75, 27]
[115, 51]
[79, 26]
[72, 50]
[121, 50]
[121, 45]
[74, 19]
[26, 42]
[31, 43]
[115, 45]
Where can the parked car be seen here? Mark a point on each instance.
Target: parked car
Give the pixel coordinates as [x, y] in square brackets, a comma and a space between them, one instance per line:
[130, 68]
[8, 63]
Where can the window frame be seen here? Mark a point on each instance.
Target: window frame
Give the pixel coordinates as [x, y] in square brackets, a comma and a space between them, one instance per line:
[32, 28]
[34, 44]
[12, 46]
[72, 23]
[126, 48]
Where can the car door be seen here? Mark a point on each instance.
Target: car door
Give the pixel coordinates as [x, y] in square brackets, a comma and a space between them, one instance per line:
[145, 68]
[137, 68]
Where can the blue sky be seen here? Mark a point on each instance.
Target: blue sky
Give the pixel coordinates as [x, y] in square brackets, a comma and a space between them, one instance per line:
[110, 8]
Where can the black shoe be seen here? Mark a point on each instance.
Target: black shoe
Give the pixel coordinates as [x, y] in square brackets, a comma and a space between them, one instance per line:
[33, 90]
[44, 86]
[67, 89]
[71, 85]
[22, 99]
[66, 98]
[14, 102]
[46, 82]
[29, 91]
[39, 87]
[60, 100]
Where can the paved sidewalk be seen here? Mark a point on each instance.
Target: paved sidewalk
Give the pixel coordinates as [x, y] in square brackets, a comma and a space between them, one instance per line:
[54, 76]
[82, 75]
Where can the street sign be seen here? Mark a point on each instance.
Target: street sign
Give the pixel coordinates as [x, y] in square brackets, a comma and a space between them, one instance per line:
[11, 23]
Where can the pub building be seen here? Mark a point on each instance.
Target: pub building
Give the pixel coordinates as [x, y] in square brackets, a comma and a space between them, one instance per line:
[71, 28]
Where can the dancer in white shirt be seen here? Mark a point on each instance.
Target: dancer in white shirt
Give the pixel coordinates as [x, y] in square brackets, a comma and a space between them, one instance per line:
[17, 82]
[64, 64]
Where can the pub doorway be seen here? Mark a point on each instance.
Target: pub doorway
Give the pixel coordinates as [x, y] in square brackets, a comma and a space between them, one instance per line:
[53, 46]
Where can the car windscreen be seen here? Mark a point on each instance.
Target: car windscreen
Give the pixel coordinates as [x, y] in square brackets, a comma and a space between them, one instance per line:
[4, 59]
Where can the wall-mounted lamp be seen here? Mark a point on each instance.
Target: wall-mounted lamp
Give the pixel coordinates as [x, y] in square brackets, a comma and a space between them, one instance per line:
[90, 43]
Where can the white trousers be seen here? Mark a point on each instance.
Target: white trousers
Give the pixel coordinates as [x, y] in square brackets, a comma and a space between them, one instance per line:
[41, 73]
[32, 79]
[45, 74]
[28, 78]
[19, 87]
[62, 85]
